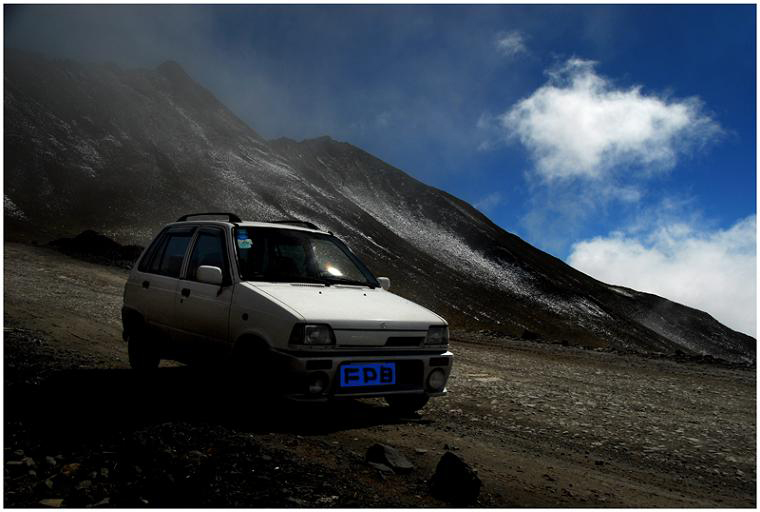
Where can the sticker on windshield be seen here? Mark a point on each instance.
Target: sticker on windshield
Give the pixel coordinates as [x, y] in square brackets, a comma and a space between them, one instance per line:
[242, 234]
[245, 244]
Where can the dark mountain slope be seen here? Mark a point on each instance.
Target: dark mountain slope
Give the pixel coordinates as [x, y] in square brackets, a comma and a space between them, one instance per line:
[125, 151]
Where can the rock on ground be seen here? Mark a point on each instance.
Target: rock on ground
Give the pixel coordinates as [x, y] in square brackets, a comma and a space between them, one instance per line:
[390, 457]
[454, 481]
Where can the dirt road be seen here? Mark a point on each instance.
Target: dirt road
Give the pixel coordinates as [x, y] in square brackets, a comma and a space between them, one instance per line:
[544, 425]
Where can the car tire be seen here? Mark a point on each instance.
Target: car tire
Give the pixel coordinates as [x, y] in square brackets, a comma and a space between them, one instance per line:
[252, 361]
[407, 404]
[143, 352]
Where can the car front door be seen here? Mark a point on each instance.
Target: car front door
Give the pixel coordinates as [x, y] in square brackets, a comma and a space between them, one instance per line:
[202, 309]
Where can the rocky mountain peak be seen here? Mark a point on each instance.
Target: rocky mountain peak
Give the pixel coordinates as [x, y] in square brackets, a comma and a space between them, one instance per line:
[173, 71]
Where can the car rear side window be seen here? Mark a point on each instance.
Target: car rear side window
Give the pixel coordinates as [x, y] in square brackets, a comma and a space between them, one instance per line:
[208, 250]
[168, 258]
[156, 245]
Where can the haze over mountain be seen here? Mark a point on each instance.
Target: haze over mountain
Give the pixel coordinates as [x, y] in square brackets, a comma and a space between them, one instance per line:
[126, 151]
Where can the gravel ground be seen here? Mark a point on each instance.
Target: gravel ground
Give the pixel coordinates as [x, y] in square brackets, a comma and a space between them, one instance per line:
[543, 425]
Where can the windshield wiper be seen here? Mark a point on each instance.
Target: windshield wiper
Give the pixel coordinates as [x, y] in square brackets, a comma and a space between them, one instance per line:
[339, 280]
[286, 279]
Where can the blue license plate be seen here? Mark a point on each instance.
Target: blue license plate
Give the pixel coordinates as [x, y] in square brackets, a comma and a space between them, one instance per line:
[367, 374]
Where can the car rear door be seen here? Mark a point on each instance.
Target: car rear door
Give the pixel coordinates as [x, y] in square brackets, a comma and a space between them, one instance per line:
[202, 309]
[159, 277]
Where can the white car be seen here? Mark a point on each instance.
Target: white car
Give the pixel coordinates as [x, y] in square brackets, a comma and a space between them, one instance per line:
[285, 299]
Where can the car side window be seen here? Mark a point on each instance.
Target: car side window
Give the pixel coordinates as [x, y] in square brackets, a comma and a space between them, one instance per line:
[155, 261]
[209, 249]
[156, 245]
[169, 255]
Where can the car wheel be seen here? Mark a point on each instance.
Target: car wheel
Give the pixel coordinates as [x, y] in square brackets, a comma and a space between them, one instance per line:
[143, 352]
[252, 361]
[407, 404]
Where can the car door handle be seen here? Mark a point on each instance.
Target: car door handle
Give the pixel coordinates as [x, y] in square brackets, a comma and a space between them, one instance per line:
[146, 284]
[185, 292]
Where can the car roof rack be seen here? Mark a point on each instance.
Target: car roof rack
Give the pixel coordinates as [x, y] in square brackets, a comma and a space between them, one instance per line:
[296, 222]
[231, 216]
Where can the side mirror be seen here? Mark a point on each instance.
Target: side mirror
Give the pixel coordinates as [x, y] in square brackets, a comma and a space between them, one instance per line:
[209, 274]
[385, 283]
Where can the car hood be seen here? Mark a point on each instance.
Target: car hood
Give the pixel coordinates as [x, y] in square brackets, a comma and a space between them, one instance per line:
[350, 307]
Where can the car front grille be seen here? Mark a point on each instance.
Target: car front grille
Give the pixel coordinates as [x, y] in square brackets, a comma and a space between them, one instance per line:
[404, 341]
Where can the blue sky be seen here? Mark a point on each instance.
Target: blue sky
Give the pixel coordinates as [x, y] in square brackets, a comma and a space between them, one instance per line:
[614, 137]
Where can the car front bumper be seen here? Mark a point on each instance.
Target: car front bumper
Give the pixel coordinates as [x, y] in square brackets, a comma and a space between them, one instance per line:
[413, 370]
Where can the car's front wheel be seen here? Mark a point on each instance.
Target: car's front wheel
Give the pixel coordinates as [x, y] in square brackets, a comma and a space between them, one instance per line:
[407, 404]
[143, 351]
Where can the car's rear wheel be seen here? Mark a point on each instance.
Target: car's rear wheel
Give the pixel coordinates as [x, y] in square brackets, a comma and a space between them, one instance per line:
[143, 351]
[407, 404]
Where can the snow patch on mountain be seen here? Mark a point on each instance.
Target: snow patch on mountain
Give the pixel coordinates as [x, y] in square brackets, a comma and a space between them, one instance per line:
[11, 210]
[437, 241]
[621, 291]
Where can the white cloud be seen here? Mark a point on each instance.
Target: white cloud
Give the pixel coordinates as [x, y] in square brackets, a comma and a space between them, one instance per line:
[557, 215]
[579, 125]
[714, 271]
[489, 132]
[383, 118]
[488, 202]
[511, 44]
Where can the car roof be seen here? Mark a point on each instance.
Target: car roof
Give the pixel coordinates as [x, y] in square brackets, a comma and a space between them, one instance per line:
[251, 224]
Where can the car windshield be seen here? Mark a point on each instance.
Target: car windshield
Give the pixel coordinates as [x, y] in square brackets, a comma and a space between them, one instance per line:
[289, 255]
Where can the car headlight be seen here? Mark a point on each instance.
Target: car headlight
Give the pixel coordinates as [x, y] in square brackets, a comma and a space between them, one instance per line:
[312, 334]
[437, 335]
